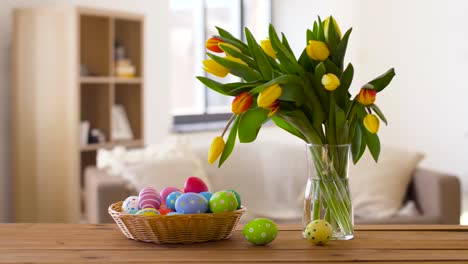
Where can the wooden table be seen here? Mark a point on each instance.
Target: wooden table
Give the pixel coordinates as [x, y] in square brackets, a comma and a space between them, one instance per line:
[67, 243]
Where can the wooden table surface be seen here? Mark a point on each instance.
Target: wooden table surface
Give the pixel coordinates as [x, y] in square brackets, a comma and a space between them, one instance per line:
[69, 243]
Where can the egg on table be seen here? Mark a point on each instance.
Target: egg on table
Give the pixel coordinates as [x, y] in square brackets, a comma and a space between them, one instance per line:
[130, 205]
[171, 200]
[223, 201]
[260, 231]
[319, 232]
[149, 198]
[148, 212]
[191, 203]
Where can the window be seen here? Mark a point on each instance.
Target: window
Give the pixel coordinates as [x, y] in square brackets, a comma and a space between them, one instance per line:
[191, 23]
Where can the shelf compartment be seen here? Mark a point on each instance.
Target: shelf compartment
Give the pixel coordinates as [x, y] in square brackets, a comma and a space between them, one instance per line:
[131, 98]
[95, 106]
[95, 45]
[129, 34]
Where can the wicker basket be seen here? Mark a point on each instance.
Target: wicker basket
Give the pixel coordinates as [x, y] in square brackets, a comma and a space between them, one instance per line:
[185, 229]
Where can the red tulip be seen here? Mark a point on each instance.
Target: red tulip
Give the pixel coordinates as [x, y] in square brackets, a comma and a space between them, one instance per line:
[212, 44]
[241, 103]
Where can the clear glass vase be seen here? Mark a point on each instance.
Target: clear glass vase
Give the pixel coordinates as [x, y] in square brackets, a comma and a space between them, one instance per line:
[327, 194]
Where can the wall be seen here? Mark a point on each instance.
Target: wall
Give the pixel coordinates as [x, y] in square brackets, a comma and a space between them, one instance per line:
[426, 43]
[157, 118]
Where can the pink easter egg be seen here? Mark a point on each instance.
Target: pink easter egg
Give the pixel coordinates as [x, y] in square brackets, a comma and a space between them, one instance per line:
[195, 185]
[149, 198]
[166, 191]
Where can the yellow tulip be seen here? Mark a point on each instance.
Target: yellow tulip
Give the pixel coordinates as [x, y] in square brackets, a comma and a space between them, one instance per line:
[223, 45]
[215, 68]
[326, 25]
[269, 95]
[330, 81]
[267, 48]
[371, 122]
[217, 147]
[317, 50]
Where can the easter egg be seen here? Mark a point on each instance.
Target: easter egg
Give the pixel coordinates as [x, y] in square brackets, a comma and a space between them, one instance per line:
[237, 197]
[207, 195]
[166, 191]
[319, 232]
[195, 185]
[223, 201]
[130, 205]
[149, 198]
[171, 200]
[191, 203]
[165, 210]
[260, 231]
[148, 212]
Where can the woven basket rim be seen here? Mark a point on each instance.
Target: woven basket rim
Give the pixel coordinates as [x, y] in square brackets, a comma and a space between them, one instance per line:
[114, 209]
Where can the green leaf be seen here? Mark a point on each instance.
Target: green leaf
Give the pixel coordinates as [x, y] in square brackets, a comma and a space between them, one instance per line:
[286, 43]
[379, 113]
[310, 34]
[345, 82]
[332, 36]
[287, 59]
[237, 69]
[358, 145]
[331, 67]
[228, 38]
[213, 85]
[383, 80]
[300, 121]
[230, 143]
[373, 143]
[320, 32]
[292, 92]
[288, 127]
[250, 124]
[338, 56]
[305, 61]
[235, 53]
[331, 122]
[289, 79]
[259, 56]
[231, 89]
[340, 123]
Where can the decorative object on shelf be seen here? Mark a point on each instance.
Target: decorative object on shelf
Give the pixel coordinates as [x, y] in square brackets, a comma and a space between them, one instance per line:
[183, 218]
[123, 66]
[308, 97]
[84, 132]
[96, 136]
[121, 129]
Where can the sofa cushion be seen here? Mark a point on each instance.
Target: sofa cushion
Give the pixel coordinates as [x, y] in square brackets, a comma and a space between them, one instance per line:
[378, 189]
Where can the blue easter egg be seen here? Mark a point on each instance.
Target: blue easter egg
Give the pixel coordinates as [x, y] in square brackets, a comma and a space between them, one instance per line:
[171, 200]
[207, 196]
[191, 203]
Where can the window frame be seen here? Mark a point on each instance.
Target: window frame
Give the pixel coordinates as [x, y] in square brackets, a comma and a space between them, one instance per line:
[208, 121]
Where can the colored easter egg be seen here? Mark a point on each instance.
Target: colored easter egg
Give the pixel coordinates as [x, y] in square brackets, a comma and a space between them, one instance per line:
[207, 196]
[195, 185]
[166, 191]
[238, 197]
[165, 210]
[260, 231]
[149, 198]
[223, 201]
[148, 212]
[191, 203]
[171, 200]
[319, 232]
[130, 205]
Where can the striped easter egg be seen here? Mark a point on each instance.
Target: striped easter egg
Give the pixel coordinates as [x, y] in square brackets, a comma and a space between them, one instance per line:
[149, 198]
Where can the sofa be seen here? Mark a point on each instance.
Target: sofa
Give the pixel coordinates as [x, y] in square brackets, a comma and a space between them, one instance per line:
[271, 174]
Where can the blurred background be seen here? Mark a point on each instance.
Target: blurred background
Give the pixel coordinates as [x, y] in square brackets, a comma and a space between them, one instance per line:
[425, 104]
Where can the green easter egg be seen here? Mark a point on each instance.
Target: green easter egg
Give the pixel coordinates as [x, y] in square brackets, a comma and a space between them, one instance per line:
[223, 201]
[319, 232]
[238, 197]
[260, 231]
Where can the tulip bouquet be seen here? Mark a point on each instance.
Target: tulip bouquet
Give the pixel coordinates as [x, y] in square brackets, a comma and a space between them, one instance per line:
[306, 96]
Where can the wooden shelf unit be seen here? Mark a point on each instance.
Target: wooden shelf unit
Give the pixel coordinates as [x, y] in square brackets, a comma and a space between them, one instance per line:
[48, 110]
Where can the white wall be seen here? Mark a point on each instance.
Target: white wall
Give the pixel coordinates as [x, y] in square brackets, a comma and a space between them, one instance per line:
[426, 42]
[157, 118]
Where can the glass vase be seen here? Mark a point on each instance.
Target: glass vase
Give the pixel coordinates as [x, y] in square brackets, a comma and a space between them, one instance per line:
[327, 194]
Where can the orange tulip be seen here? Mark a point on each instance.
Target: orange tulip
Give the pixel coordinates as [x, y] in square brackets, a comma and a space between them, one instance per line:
[212, 44]
[366, 96]
[241, 103]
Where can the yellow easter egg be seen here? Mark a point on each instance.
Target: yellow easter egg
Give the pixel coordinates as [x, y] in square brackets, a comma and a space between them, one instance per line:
[319, 232]
[148, 212]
